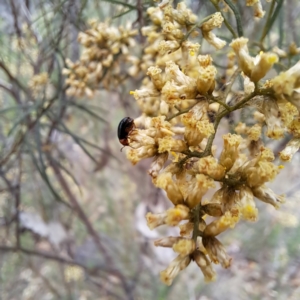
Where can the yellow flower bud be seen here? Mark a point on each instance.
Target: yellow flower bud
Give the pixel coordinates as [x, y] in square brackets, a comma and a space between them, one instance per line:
[184, 247]
[177, 214]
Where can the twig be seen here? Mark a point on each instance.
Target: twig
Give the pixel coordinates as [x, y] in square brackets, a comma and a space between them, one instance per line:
[45, 280]
[42, 254]
[265, 30]
[222, 113]
[195, 26]
[78, 209]
[181, 112]
[237, 17]
[215, 99]
[18, 202]
[232, 79]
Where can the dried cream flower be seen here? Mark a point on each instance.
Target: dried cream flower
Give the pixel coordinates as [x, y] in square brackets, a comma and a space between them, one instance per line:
[205, 265]
[249, 86]
[216, 251]
[135, 155]
[186, 229]
[251, 2]
[206, 80]
[156, 77]
[204, 60]
[229, 200]
[189, 49]
[259, 117]
[294, 127]
[181, 14]
[212, 39]
[257, 68]
[258, 172]
[212, 209]
[230, 151]
[290, 149]
[170, 144]
[214, 22]
[209, 166]
[247, 204]
[217, 197]
[179, 263]
[197, 124]
[265, 194]
[254, 132]
[288, 112]
[178, 86]
[172, 31]
[281, 53]
[271, 111]
[158, 164]
[263, 65]
[166, 182]
[241, 128]
[155, 15]
[155, 220]
[286, 82]
[196, 188]
[246, 62]
[167, 47]
[167, 241]
[257, 8]
[220, 225]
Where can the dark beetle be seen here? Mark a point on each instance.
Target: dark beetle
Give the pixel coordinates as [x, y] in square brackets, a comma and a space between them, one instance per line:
[126, 125]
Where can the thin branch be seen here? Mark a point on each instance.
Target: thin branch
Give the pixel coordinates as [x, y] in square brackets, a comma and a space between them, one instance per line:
[42, 254]
[78, 209]
[271, 18]
[181, 112]
[237, 17]
[18, 202]
[45, 280]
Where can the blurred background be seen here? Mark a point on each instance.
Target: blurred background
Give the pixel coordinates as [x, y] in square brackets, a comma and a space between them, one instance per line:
[72, 208]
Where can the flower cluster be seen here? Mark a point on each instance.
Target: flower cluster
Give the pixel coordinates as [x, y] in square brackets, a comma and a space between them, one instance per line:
[181, 110]
[38, 83]
[106, 49]
[167, 37]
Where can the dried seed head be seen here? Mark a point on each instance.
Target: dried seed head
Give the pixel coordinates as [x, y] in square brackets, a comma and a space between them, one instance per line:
[216, 251]
[205, 266]
[179, 263]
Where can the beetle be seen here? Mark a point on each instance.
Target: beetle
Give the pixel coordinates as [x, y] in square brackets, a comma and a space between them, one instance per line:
[126, 125]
